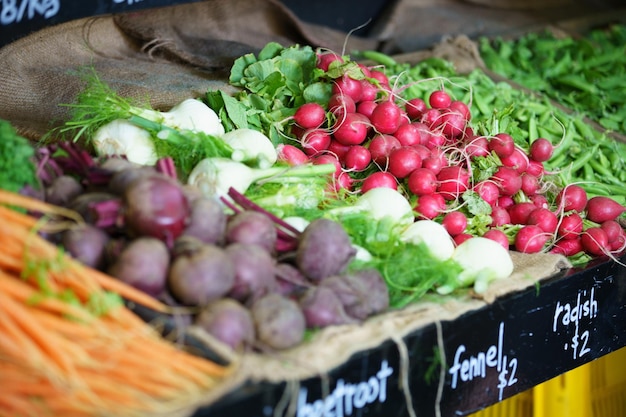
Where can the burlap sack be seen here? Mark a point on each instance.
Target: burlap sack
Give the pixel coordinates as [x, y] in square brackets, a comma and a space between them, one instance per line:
[162, 55]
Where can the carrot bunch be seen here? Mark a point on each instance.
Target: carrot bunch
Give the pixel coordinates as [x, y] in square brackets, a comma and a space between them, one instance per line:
[68, 344]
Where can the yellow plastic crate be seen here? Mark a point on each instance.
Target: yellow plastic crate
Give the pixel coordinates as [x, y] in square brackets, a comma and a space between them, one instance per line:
[597, 389]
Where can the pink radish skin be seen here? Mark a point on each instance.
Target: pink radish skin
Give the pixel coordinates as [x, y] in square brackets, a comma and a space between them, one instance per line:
[502, 144]
[518, 160]
[530, 184]
[535, 168]
[291, 155]
[380, 77]
[340, 104]
[612, 229]
[352, 130]
[505, 201]
[409, 134]
[488, 191]
[429, 206]
[499, 216]
[415, 108]
[338, 149]
[366, 108]
[452, 124]
[572, 197]
[595, 241]
[570, 227]
[386, 117]
[477, 146]
[369, 92]
[541, 150]
[568, 247]
[453, 181]
[310, 115]
[498, 236]
[539, 200]
[357, 158]
[380, 147]
[422, 181]
[325, 59]
[460, 238]
[349, 86]
[530, 239]
[403, 161]
[315, 141]
[519, 212]
[601, 209]
[327, 158]
[439, 99]
[543, 218]
[379, 179]
[462, 108]
[431, 118]
[455, 223]
[508, 180]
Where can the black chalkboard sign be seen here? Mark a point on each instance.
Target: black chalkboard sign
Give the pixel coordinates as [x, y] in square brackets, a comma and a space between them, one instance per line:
[492, 353]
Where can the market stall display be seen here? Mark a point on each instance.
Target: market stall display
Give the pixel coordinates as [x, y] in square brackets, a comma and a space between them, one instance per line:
[312, 144]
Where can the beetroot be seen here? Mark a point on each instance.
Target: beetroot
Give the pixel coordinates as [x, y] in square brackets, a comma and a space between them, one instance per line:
[254, 271]
[207, 221]
[252, 227]
[229, 322]
[201, 274]
[322, 307]
[87, 244]
[324, 249]
[362, 293]
[279, 321]
[143, 264]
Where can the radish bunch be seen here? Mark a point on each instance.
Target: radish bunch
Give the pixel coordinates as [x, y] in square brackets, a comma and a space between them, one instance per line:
[426, 147]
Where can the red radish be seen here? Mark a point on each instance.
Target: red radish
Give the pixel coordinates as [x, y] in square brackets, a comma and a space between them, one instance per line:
[409, 134]
[488, 191]
[338, 149]
[539, 200]
[310, 115]
[415, 108]
[366, 107]
[572, 197]
[502, 144]
[343, 181]
[327, 158]
[477, 146]
[380, 147]
[505, 201]
[291, 155]
[595, 241]
[403, 161]
[434, 163]
[508, 180]
[424, 152]
[568, 247]
[462, 108]
[535, 168]
[369, 92]
[315, 141]
[436, 140]
[352, 130]
[543, 218]
[326, 58]
[454, 222]
[570, 227]
[439, 99]
[357, 158]
[499, 216]
[429, 206]
[367, 72]
[452, 124]
[600, 209]
[460, 238]
[519, 212]
[530, 239]
[619, 244]
[349, 86]
[386, 117]
[518, 160]
[498, 236]
[453, 181]
[340, 104]
[379, 179]
[530, 184]
[541, 150]
[431, 117]
[422, 181]
[380, 77]
[612, 229]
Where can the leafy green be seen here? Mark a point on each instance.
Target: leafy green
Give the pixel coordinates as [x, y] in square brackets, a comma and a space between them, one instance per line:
[17, 164]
